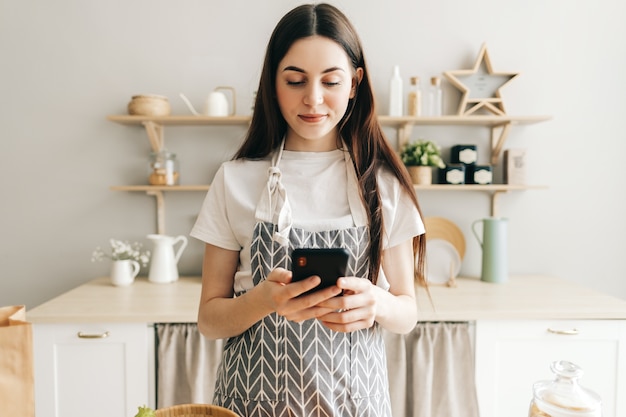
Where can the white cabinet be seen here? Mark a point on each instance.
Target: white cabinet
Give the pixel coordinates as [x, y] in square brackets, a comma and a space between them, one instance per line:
[99, 370]
[512, 355]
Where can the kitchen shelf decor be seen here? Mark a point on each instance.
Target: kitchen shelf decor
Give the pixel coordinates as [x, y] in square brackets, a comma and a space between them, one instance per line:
[498, 124]
[420, 157]
[480, 86]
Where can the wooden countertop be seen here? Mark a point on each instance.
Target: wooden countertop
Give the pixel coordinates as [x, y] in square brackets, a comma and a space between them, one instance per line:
[98, 301]
[522, 297]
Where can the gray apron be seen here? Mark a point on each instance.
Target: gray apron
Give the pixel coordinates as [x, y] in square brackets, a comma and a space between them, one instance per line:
[286, 369]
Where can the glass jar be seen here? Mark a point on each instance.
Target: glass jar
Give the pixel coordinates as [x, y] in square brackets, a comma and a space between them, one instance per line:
[163, 168]
[563, 396]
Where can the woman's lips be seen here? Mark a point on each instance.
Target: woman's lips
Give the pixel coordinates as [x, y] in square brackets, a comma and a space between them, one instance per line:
[312, 118]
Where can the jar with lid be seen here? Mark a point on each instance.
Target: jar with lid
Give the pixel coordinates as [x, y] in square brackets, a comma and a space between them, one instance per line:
[163, 168]
[564, 396]
[415, 98]
[435, 98]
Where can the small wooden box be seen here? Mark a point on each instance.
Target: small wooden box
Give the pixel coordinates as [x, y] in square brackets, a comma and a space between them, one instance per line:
[479, 174]
[452, 174]
[514, 166]
[464, 154]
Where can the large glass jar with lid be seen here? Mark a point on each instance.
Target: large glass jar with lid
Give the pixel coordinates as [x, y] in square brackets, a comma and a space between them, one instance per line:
[163, 168]
[564, 396]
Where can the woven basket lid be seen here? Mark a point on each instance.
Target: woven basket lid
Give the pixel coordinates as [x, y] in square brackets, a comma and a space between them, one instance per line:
[195, 410]
[441, 228]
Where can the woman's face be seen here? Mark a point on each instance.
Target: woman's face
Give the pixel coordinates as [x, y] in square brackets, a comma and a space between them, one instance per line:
[314, 83]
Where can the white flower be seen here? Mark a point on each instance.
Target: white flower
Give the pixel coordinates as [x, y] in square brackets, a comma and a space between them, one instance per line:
[122, 250]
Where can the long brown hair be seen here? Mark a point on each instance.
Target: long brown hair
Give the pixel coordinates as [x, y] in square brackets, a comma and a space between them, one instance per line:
[359, 128]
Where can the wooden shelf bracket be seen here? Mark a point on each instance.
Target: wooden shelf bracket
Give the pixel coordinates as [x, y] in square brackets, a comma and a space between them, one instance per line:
[155, 135]
[404, 134]
[498, 137]
[494, 202]
[160, 210]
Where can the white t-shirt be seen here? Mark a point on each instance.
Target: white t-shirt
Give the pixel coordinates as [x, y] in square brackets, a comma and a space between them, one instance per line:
[316, 185]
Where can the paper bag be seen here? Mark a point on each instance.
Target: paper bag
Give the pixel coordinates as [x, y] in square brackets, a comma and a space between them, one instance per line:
[17, 382]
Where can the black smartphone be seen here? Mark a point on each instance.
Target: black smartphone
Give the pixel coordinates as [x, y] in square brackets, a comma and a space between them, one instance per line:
[329, 264]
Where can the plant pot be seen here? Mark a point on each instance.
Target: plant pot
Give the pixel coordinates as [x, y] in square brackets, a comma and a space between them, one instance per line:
[422, 175]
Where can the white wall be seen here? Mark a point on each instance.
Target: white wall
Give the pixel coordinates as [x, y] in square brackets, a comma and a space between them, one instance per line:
[66, 65]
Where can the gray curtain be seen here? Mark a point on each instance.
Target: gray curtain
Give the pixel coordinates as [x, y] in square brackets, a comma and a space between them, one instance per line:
[186, 365]
[431, 369]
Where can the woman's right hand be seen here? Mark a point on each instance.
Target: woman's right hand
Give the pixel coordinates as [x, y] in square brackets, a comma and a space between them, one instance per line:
[220, 315]
[285, 299]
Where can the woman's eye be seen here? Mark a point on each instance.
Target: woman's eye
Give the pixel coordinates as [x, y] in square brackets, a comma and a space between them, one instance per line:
[303, 82]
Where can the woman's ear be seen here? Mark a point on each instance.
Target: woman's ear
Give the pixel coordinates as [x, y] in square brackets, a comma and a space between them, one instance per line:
[356, 80]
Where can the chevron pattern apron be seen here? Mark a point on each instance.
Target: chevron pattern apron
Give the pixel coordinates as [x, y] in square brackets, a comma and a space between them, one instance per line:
[282, 369]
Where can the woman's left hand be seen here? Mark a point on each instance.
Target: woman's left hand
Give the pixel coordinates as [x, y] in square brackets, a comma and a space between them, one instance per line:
[364, 303]
[355, 309]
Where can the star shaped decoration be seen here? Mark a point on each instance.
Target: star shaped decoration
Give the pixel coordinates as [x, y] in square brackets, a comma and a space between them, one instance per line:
[480, 86]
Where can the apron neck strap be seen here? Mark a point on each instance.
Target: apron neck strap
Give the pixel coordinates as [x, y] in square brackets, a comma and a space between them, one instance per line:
[274, 200]
[274, 207]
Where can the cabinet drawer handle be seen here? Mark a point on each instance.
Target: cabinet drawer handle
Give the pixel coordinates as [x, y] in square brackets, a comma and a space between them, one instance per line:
[93, 335]
[570, 332]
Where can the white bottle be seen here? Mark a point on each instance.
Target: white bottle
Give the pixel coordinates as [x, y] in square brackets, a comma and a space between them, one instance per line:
[395, 93]
[414, 106]
[435, 98]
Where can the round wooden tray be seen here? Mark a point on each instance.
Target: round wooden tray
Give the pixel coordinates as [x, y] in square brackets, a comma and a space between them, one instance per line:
[441, 228]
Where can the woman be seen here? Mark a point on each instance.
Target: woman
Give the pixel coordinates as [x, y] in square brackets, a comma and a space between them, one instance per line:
[315, 170]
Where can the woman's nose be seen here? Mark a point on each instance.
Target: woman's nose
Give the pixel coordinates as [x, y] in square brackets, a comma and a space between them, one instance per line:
[313, 96]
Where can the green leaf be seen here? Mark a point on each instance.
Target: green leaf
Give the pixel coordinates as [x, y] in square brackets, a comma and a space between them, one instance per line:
[421, 153]
[145, 411]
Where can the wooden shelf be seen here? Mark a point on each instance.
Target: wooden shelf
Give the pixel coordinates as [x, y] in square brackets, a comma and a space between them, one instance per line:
[433, 187]
[488, 121]
[157, 191]
[181, 120]
[499, 125]
[146, 188]
[478, 187]
[494, 190]
[187, 120]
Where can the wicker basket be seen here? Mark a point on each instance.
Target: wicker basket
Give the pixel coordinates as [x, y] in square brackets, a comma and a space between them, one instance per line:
[195, 410]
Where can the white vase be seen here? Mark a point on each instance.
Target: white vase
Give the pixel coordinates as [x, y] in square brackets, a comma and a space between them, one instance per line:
[123, 273]
[164, 260]
[422, 175]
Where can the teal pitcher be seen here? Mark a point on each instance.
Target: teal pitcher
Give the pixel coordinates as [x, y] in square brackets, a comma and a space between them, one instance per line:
[494, 246]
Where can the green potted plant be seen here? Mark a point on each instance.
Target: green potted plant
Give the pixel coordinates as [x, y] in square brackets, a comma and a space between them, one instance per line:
[420, 157]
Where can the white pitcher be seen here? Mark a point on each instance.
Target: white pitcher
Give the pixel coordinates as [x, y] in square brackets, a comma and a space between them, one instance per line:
[164, 262]
[123, 272]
